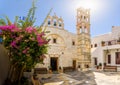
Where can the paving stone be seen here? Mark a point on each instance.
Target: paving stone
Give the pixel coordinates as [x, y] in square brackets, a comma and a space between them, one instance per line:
[85, 78]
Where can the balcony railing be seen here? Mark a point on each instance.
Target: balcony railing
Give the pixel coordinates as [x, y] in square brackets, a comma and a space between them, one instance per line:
[109, 43]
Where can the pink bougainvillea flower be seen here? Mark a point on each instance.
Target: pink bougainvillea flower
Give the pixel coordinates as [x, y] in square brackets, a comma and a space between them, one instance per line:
[8, 27]
[40, 40]
[0, 33]
[15, 30]
[3, 27]
[30, 30]
[25, 50]
[41, 34]
[42, 43]
[13, 36]
[18, 38]
[13, 44]
[34, 30]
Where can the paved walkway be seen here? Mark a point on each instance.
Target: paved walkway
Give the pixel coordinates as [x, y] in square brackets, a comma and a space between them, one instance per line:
[70, 78]
[81, 78]
[107, 78]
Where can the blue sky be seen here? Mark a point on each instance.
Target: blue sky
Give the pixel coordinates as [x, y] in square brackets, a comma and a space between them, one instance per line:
[102, 18]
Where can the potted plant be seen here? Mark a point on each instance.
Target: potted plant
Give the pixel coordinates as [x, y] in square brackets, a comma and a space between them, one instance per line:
[49, 69]
[60, 69]
[105, 64]
[97, 67]
[100, 65]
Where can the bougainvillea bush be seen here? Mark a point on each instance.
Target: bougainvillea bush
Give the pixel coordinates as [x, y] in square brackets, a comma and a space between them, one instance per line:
[26, 44]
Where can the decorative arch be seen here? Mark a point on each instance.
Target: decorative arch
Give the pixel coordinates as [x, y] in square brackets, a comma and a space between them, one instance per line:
[49, 21]
[59, 39]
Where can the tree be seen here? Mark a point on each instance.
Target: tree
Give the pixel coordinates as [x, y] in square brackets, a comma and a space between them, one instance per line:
[26, 44]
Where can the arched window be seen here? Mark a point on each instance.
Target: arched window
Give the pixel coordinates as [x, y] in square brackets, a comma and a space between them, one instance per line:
[73, 43]
[55, 22]
[95, 45]
[83, 29]
[91, 46]
[60, 24]
[86, 30]
[80, 26]
[54, 40]
[49, 22]
[80, 29]
[84, 17]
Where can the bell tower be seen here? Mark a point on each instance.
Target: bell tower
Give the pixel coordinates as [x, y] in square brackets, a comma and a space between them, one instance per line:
[83, 38]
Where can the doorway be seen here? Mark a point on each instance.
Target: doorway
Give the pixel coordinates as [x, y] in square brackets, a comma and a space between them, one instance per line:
[95, 61]
[54, 63]
[74, 64]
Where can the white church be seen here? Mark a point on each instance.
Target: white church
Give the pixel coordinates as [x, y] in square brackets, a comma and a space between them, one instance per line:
[78, 49]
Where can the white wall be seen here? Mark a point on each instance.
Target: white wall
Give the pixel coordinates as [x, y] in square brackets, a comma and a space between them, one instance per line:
[99, 50]
[63, 48]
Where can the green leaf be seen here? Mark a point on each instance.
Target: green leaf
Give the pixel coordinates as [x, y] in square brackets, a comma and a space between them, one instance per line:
[8, 20]
[2, 22]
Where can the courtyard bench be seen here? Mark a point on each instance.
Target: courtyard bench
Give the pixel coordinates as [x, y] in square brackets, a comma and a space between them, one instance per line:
[110, 68]
[68, 69]
[40, 70]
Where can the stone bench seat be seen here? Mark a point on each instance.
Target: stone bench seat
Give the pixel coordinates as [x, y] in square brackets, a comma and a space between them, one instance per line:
[40, 70]
[68, 69]
[110, 68]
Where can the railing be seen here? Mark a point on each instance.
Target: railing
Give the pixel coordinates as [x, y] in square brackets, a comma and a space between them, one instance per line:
[109, 43]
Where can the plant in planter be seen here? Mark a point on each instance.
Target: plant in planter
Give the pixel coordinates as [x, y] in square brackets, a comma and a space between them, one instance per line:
[49, 69]
[60, 69]
[105, 64]
[100, 65]
[25, 43]
[97, 67]
[79, 68]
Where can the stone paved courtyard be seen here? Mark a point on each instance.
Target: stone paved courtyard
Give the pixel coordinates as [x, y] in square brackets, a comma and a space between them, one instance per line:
[81, 78]
[70, 78]
[107, 78]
